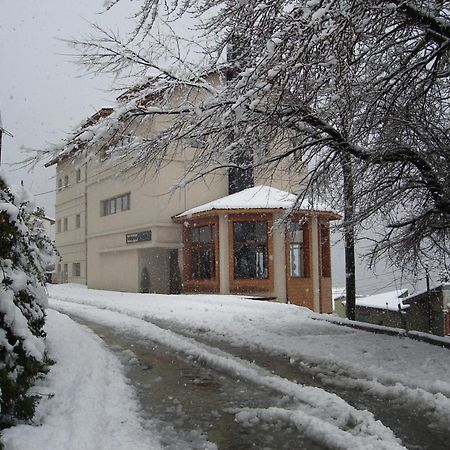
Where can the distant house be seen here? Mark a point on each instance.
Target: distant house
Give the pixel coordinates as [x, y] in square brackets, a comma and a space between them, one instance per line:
[384, 309]
[133, 235]
[429, 311]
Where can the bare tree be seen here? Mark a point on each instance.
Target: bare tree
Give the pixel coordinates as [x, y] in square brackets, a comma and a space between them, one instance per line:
[359, 81]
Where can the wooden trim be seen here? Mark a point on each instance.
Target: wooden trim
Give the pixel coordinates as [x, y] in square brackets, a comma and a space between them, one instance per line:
[198, 285]
[325, 249]
[256, 211]
[243, 285]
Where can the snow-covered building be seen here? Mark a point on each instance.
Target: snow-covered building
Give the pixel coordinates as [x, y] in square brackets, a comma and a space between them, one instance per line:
[385, 308]
[134, 234]
[428, 311]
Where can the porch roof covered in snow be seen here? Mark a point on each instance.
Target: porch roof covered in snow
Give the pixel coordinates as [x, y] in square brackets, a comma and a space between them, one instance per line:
[256, 199]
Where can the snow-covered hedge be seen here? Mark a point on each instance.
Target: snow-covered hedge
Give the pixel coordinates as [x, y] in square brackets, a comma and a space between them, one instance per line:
[24, 253]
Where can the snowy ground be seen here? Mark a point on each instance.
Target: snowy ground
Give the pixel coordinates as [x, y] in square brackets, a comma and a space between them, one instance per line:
[194, 325]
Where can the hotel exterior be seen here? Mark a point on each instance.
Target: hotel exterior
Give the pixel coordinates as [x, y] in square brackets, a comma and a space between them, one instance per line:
[136, 234]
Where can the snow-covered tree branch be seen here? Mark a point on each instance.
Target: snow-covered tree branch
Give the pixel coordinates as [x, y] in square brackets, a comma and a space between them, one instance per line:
[305, 82]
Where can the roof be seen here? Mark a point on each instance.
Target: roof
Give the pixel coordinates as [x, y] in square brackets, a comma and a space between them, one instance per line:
[421, 295]
[78, 135]
[386, 300]
[258, 197]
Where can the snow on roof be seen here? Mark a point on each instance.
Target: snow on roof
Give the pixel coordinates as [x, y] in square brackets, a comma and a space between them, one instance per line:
[386, 300]
[258, 197]
[419, 294]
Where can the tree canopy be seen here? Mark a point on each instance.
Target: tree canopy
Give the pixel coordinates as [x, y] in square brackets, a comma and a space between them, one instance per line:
[320, 82]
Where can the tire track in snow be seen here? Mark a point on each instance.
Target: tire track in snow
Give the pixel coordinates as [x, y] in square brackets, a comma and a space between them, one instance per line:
[431, 400]
[341, 425]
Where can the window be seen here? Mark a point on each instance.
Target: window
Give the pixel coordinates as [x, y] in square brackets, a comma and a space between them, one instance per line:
[202, 251]
[58, 226]
[325, 256]
[78, 175]
[66, 224]
[115, 205]
[66, 180]
[76, 269]
[78, 221]
[250, 249]
[297, 250]
[59, 184]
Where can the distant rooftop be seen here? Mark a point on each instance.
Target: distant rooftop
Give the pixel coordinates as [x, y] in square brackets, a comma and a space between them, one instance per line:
[386, 300]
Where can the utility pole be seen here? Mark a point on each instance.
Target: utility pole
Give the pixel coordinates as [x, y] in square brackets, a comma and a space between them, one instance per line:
[429, 306]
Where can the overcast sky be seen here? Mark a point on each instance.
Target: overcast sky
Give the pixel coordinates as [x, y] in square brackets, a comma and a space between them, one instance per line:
[43, 94]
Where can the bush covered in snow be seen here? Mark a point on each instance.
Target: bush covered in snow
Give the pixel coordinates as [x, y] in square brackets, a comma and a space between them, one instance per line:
[25, 251]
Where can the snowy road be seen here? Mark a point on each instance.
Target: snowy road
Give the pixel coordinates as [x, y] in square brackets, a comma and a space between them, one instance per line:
[223, 372]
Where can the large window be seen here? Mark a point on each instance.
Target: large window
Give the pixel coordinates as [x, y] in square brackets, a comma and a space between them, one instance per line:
[250, 249]
[297, 251]
[115, 205]
[202, 252]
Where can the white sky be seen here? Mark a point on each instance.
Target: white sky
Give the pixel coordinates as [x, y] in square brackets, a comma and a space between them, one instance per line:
[43, 94]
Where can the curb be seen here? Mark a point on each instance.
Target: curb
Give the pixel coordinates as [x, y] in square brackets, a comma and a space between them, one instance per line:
[415, 335]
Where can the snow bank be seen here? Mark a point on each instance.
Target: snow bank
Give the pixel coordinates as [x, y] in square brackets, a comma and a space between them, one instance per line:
[87, 403]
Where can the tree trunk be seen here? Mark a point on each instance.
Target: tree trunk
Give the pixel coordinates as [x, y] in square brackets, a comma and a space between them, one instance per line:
[349, 238]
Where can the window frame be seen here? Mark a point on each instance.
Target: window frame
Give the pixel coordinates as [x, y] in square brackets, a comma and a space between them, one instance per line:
[202, 247]
[250, 285]
[200, 284]
[65, 224]
[304, 254]
[114, 205]
[78, 221]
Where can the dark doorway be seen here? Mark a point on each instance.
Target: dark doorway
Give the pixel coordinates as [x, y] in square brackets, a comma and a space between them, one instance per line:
[145, 281]
[174, 273]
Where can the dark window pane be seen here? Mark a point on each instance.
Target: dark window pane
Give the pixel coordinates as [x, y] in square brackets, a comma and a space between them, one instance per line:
[202, 263]
[205, 234]
[250, 231]
[194, 235]
[250, 261]
[261, 231]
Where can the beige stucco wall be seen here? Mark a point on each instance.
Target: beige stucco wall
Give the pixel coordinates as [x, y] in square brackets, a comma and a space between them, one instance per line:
[279, 256]
[99, 245]
[70, 201]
